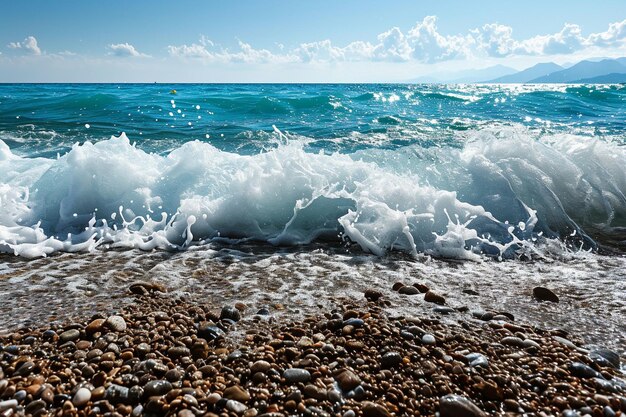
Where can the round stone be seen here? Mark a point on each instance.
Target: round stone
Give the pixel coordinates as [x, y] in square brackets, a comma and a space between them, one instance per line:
[260, 366]
[295, 375]
[457, 406]
[390, 360]
[544, 294]
[429, 339]
[230, 313]
[69, 336]
[81, 397]
[116, 323]
[157, 388]
[348, 380]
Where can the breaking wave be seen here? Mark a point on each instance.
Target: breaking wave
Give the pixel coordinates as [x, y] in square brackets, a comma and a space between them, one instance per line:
[502, 193]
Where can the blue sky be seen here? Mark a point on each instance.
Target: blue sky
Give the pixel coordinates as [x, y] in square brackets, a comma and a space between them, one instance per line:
[271, 40]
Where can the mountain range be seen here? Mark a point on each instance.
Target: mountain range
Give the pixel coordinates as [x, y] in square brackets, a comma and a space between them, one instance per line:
[587, 71]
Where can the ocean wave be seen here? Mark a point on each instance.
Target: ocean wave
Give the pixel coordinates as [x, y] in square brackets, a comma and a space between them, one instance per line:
[502, 193]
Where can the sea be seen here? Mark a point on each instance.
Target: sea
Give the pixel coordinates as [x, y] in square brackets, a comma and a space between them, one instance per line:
[291, 195]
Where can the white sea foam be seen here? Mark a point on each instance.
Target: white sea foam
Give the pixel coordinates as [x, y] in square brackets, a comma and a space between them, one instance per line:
[498, 195]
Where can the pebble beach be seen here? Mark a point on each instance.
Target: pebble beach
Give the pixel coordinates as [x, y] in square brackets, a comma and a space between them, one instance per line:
[167, 355]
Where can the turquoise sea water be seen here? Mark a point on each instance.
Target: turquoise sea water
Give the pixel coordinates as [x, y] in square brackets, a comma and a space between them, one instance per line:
[456, 171]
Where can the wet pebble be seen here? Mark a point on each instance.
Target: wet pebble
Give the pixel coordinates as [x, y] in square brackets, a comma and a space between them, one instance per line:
[295, 375]
[458, 406]
[230, 313]
[82, 397]
[391, 360]
[348, 380]
[373, 295]
[544, 294]
[235, 406]
[69, 336]
[157, 387]
[8, 405]
[429, 339]
[371, 409]
[408, 290]
[116, 323]
[582, 371]
[433, 297]
[236, 393]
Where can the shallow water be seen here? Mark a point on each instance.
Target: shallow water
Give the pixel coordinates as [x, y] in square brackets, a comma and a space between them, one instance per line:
[293, 282]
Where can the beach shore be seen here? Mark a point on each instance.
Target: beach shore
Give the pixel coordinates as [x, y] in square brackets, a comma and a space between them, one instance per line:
[163, 354]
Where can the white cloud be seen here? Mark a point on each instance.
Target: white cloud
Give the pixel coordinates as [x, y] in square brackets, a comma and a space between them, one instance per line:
[207, 50]
[125, 50]
[421, 44]
[615, 34]
[497, 40]
[29, 45]
[189, 51]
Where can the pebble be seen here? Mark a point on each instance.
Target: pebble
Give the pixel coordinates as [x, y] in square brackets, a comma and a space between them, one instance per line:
[236, 393]
[116, 323]
[433, 297]
[512, 341]
[25, 369]
[176, 352]
[421, 287]
[429, 339]
[260, 366]
[443, 310]
[82, 397]
[458, 406]
[313, 391]
[116, 393]
[390, 360]
[94, 326]
[230, 313]
[295, 375]
[583, 371]
[8, 405]
[157, 387]
[209, 332]
[544, 294]
[348, 380]
[477, 360]
[69, 336]
[408, 290]
[235, 406]
[371, 409]
[373, 295]
[605, 357]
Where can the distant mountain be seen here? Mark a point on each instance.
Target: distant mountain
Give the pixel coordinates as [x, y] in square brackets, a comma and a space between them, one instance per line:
[528, 74]
[467, 76]
[613, 78]
[473, 76]
[583, 70]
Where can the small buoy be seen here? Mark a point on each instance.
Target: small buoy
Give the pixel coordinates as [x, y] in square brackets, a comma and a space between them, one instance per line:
[172, 91]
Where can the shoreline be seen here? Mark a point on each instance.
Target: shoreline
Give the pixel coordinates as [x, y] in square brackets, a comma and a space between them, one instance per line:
[592, 288]
[167, 355]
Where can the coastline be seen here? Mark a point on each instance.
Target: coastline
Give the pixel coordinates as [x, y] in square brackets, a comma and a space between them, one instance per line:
[167, 355]
[62, 287]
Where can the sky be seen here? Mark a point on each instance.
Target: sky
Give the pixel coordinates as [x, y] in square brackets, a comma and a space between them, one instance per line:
[296, 40]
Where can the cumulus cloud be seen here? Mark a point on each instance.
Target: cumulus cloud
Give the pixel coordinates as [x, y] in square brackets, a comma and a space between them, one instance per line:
[28, 45]
[207, 50]
[422, 43]
[125, 50]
